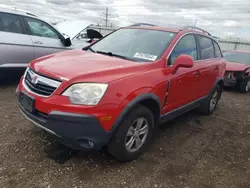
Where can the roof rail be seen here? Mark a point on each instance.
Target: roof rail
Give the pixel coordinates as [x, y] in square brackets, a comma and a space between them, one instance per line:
[195, 28]
[14, 8]
[31, 14]
[141, 24]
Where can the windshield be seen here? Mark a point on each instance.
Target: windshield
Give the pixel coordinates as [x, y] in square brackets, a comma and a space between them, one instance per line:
[135, 44]
[238, 57]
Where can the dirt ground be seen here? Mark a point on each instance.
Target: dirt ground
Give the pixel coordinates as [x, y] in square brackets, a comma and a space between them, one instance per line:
[190, 151]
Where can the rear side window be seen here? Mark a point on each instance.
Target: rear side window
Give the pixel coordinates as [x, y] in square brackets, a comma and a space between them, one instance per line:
[217, 52]
[186, 45]
[10, 23]
[206, 47]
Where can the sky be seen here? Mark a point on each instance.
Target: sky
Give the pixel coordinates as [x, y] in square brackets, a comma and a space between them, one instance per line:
[229, 18]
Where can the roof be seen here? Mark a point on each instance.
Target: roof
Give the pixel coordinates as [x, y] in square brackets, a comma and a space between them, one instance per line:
[155, 28]
[15, 10]
[186, 29]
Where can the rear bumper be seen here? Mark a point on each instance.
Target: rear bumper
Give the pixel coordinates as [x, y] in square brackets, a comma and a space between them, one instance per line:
[77, 131]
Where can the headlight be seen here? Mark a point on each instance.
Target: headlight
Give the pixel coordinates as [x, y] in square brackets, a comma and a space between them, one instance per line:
[86, 93]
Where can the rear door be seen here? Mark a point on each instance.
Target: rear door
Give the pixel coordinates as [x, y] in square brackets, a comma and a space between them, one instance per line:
[16, 47]
[208, 63]
[183, 84]
[46, 39]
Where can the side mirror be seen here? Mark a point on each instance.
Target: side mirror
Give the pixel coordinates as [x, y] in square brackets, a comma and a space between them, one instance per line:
[183, 60]
[67, 42]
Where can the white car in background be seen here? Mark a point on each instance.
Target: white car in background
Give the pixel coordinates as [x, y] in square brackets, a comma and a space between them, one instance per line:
[82, 32]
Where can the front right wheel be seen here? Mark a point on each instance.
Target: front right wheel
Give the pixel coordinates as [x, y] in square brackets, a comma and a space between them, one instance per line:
[133, 135]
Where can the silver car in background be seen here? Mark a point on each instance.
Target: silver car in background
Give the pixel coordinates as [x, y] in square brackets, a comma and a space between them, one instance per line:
[24, 37]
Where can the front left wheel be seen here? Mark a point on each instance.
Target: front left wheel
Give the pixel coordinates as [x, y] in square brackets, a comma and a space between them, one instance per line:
[133, 135]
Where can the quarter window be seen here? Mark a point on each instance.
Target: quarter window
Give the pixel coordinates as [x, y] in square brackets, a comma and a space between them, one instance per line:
[41, 29]
[217, 52]
[10, 23]
[206, 47]
[187, 45]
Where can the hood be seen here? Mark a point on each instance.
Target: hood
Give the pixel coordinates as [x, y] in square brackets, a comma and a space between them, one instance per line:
[81, 65]
[79, 43]
[231, 66]
[72, 28]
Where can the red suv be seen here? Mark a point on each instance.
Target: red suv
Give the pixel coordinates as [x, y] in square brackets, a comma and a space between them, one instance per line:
[237, 70]
[114, 92]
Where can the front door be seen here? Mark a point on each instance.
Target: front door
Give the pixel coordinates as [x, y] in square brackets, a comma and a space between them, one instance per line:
[183, 84]
[16, 47]
[45, 38]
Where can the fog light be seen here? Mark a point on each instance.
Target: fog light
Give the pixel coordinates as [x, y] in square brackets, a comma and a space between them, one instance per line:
[85, 143]
[91, 144]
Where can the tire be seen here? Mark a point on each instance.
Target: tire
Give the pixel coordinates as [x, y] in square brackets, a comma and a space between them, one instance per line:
[127, 133]
[244, 85]
[210, 104]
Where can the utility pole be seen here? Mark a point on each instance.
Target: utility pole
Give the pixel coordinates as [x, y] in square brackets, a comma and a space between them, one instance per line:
[106, 16]
[195, 22]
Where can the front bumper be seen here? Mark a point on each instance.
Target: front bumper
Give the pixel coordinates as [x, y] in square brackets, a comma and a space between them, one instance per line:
[230, 82]
[77, 131]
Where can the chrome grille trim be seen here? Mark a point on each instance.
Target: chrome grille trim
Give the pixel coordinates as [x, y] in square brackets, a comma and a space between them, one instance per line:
[42, 86]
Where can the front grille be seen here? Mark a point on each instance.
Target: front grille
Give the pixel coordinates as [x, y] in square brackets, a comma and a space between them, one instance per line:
[39, 84]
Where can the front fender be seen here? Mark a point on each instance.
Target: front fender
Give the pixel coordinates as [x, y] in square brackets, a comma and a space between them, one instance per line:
[131, 101]
[219, 81]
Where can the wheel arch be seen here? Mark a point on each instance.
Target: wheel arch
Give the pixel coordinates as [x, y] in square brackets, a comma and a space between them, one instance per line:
[220, 83]
[149, 100]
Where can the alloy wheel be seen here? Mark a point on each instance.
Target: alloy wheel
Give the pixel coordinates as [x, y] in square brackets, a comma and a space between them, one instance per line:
[137, 134]
[248, 85]
[214, 100]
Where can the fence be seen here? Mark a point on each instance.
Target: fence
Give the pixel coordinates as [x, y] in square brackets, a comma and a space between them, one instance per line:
[229, 44]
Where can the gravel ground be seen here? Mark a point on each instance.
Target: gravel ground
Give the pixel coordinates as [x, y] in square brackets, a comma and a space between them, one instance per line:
[190, 151]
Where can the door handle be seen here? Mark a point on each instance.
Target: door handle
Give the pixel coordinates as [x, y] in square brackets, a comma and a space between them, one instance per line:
[197, 73]
[38, 42]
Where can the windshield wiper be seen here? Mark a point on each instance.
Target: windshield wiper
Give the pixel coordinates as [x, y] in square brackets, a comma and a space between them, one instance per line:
[115, 55]
[89, 48]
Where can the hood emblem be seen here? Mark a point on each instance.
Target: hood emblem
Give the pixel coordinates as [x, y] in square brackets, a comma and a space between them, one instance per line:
[34, 79]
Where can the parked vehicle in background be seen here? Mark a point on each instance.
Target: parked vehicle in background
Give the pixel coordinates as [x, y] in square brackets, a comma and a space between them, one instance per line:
[237, 70]
[24, 37]
[83, 32]
[76, 29]
[114, 92]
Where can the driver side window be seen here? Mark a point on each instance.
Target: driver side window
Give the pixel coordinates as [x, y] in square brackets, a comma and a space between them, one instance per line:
[187, 45]
[41, 29]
